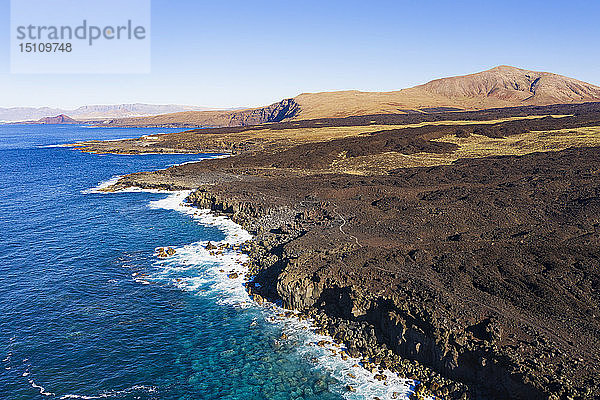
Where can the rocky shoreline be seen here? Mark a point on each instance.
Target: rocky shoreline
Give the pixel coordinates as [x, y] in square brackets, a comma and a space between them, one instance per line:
[431, 348]
[366, 338]
[412, 326]
[403, 330]
[361, 338]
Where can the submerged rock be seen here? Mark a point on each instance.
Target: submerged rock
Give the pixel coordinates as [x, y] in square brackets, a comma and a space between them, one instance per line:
[161, 253]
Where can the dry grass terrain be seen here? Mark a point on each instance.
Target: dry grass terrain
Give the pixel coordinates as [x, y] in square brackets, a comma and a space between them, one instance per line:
[258, 139]
[474, 146]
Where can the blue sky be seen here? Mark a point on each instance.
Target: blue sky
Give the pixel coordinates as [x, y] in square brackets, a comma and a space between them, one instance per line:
[250, 53]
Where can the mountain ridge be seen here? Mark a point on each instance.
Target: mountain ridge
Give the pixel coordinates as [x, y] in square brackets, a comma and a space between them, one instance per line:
[505, 82]
[499, 87]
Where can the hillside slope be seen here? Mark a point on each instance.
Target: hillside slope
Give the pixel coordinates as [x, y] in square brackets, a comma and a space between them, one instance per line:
[502, 86]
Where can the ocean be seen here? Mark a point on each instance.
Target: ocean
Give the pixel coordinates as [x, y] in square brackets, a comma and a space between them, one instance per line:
[88, 310]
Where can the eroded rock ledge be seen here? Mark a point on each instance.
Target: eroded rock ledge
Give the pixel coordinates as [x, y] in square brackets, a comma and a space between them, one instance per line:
[390, 331]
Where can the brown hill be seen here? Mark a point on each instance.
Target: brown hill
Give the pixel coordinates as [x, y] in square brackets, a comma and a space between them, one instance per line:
[514, 86]
[59, 119]
[501, 86]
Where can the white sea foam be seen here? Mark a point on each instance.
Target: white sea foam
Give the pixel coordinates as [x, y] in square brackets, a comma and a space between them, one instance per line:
[50, 146]
[223, 271]
[102, 185]
[40, 388]
[333, 358]
[211, 272]
[112, 393]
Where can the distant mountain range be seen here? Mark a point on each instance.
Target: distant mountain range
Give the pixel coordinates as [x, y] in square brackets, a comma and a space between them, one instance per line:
[94, 112]
[502, 86]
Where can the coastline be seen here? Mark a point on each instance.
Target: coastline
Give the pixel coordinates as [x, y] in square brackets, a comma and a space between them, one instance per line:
[349, 317]
[339, 335]
[365, 201]
[383, 369]
[309, 333]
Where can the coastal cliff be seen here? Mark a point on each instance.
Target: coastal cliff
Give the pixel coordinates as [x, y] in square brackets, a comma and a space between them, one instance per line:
[386, 305]
[283, 110]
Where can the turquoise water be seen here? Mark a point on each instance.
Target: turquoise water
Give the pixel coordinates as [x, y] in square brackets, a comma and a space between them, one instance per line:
[88, 311]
